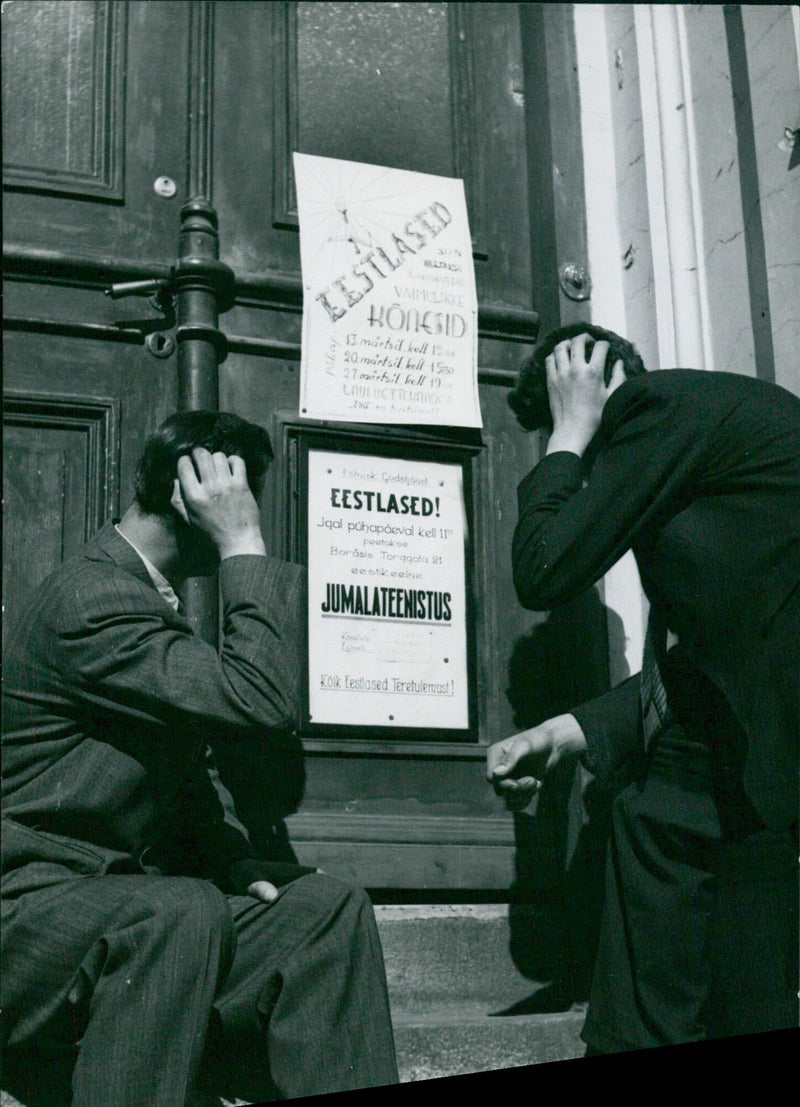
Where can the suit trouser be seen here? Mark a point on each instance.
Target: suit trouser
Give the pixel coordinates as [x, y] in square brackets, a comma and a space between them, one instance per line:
[167, 982]
[699, 933]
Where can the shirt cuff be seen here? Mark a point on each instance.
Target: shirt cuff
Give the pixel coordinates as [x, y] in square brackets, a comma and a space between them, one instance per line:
[611, 725]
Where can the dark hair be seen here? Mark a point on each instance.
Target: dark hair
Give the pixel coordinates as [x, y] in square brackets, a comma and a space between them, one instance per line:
[178, 435]
[529, 401]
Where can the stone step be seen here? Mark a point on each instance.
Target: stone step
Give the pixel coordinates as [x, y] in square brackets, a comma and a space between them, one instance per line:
[456, 1040]
[447, 951]
[459, 1002]
[468, 953]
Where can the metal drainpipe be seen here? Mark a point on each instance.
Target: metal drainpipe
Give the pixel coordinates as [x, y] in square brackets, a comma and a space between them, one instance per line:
[203, 287]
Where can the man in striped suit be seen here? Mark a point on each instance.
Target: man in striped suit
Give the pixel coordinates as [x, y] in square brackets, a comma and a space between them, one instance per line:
[144, 944]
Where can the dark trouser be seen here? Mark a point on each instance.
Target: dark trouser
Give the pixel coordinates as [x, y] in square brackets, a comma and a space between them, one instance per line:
[699, 937]
[169, 986]
[754, 937]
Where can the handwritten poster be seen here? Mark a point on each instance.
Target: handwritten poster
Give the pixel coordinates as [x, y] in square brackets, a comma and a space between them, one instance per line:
[389, 301]
[387, 592]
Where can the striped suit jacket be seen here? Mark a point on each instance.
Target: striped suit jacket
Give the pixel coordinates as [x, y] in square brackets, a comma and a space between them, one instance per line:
[110, 702]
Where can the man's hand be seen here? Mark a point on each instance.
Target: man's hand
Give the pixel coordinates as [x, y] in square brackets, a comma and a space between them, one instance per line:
[516, 765]
[247, 878]
[578, 392]
[211, 493]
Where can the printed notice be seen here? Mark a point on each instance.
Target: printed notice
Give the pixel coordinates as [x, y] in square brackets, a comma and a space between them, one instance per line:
[387, 592]
[389, 303]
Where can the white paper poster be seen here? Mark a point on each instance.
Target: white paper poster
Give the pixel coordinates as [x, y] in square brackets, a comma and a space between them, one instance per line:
[387, 594]
[389, 302]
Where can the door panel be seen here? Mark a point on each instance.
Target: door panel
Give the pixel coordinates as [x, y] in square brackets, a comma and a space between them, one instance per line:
[65, 66]
[94, 110]
[431, 87]
[395, 60]
[59, 484]
[69, 456]
[94, 97]
[35, 502]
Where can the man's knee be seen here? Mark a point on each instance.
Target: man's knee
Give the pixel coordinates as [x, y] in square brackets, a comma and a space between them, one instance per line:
[320, 903]
[329, 892]
[189, 912]
[189, 898]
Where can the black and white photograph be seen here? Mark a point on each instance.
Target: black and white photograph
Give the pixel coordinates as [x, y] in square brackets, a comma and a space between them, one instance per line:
[401, 550]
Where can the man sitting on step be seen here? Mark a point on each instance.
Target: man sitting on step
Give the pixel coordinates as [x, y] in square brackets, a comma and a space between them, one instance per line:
[141, 936]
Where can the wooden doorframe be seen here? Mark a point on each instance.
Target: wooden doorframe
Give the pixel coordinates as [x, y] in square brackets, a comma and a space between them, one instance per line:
[555, 160]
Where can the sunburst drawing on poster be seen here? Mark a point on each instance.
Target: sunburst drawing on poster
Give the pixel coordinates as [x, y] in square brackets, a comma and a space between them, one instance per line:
[389, 301]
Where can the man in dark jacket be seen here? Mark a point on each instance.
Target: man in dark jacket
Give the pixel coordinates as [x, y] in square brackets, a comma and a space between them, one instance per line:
[699, 474]
[141, 936]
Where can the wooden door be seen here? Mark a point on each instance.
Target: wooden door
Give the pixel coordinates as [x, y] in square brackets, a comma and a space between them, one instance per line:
[95, 167]
[438, 88]
[114, 114]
